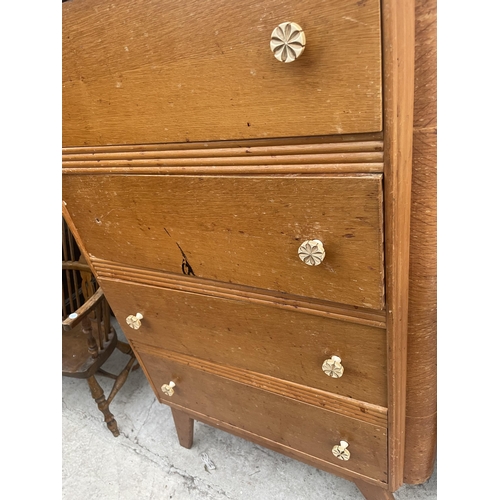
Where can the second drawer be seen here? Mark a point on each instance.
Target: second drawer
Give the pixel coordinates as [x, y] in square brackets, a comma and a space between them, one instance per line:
[241, 230]
[285, 344]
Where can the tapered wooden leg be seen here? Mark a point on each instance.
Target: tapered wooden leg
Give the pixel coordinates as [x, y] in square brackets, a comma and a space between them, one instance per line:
[184, 425]
[103, 405]
[371, 492]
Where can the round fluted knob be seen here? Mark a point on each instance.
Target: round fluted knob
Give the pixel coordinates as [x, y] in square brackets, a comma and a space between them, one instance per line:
[134, 321]
[288, 41]
[168, 389]
[312, 252]
[340, 451]
[333, 367]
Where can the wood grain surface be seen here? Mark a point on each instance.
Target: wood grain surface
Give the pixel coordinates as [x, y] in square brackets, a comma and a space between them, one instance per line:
[398, 46]
[264, 339]
[172, 71]
[243, 230]
[297, 425]
[421, 404]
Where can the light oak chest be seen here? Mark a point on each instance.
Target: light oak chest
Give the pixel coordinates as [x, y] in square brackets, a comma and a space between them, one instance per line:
[239, 175]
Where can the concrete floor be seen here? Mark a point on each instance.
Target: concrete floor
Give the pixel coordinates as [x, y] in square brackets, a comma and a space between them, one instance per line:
[146, 461]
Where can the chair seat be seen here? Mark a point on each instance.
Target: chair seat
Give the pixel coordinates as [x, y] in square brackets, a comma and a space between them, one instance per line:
[76, 360]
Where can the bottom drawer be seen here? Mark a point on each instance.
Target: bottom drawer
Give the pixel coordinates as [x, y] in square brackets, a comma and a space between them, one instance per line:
[296, 425]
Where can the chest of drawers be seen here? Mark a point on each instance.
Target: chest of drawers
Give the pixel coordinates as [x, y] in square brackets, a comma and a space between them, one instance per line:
[247, 214]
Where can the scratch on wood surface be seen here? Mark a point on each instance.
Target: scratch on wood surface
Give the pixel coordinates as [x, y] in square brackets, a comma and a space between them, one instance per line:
[185, 266]
[105, 215]
[353, 20]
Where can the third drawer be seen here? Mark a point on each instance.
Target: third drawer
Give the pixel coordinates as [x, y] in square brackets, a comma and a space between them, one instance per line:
[286, 344]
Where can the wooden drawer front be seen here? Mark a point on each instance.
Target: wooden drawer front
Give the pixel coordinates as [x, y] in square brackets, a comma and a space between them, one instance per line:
[284, 344]
[243, 230]
[165, 71]
[283, 420]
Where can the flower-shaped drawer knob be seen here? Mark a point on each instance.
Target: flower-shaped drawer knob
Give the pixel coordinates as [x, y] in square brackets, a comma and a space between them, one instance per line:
[288, 41]
[312, 252]
[341, 452]
[333, 367]
[168, 389]
[134, 321]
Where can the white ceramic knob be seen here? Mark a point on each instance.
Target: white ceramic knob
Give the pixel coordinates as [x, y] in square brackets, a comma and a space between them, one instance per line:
[312, 252]
[340, 451]
[288, 41]
[134, 321]
[168, 389]
[333, 367]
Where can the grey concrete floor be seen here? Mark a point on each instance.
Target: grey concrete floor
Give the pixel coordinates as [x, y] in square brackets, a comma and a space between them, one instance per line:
[146, 461]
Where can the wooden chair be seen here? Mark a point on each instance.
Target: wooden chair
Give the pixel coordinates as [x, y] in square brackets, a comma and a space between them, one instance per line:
[88, 338]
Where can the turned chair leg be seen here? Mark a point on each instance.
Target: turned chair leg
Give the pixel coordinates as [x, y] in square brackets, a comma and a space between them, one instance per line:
[120, 380]
[184, 425]
[371, 492]
[103, 405]
[125, 348]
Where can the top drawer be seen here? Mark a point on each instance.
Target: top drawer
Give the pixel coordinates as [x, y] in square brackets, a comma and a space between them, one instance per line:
[171, 71]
